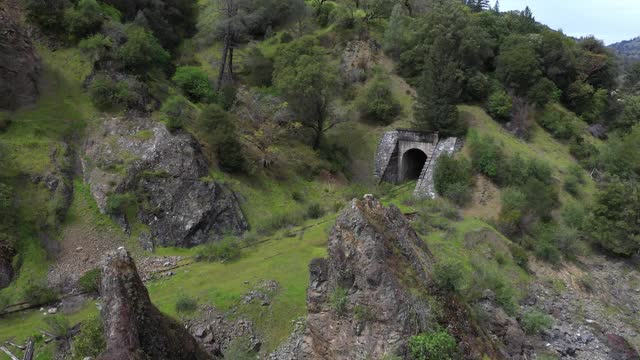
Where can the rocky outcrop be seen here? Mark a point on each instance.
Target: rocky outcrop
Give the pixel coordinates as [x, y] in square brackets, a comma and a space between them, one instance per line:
[358, 301]
[358, 57]
[20, 65]
[6, 268]
[511, 342]
[134, 327]
[216, 332]
[165, 174]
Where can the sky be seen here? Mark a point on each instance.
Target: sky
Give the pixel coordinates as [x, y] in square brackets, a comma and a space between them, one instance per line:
[608, 20]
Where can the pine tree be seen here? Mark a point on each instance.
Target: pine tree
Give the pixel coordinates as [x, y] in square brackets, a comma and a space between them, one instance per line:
[439, 92]
[496, 8]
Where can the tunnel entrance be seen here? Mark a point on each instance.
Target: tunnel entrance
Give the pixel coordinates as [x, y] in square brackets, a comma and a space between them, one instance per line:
[412, 163]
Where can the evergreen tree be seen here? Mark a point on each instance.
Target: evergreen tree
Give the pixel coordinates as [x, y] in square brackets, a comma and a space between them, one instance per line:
[439, 92]
[496, 8]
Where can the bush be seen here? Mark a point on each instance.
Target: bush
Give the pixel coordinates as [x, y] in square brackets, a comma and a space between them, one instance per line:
[583, 151]
[314, 211]
[84, 18]
[377, 103]
[512, 211]
[280, 221]
[90, 281]
[59, 326]
[519, 256]
[486, 156]
[119, 204]
[179, 112]
[448, 276]
[534, 322]
[186, 304]
[257, 68]
[90, 341]
[227, 249]
[438, 345]
[452, 179]
[194, 82]
[48, 14]
[240, 348]
[108, 94]
[227, 96]
[561, 124]
[142, 51]
[547, 251]
[500, 105]
[574, 215]
[338, 300]
[39, 294]
[218, 130]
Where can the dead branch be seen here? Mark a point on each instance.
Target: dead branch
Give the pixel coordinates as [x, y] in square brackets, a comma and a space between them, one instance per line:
[9, 353]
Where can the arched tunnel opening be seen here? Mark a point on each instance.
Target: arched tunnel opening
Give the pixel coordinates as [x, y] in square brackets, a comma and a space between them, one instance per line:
[412, 163]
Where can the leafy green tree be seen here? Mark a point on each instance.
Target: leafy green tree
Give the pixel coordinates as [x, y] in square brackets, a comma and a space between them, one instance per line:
[179, 112]
[500, 105]
[142, 51]
[621, 154]
[517, 64]
[308, 81]
[630, 115]
[557, 54]
[96, 47]
[543, 92]
[194, 82]
[614, 223]
[397, 36]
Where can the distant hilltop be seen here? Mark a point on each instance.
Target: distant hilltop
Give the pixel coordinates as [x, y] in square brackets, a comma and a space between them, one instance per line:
[628, 48]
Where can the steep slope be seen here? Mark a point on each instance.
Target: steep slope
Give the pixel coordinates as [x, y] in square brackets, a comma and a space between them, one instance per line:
[134, 327]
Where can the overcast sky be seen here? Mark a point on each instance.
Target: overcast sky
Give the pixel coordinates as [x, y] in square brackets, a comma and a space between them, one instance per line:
[609, 20]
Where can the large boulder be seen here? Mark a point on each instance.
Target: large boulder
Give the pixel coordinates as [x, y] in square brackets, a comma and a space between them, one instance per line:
[20, 65]
[166, 175]
[134, 327]
[359, 301]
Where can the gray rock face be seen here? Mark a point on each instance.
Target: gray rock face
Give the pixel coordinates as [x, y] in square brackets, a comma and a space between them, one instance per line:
[19, 64]
[164, 172]
[357, 59]
[134, 327]
[512, 340]
[216, 332]
[372, 254]
[6, 268]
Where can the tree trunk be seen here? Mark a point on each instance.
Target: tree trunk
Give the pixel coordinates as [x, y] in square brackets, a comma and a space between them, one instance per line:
[28, 353]
[223, 63]
[231, 61]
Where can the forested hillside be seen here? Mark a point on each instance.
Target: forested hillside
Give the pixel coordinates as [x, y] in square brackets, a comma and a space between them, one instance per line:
[201, 165]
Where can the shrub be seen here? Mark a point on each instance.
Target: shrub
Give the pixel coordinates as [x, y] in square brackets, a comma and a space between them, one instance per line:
[84, 18]
[90, 281]
[96, 47]
[541, 198]
[48, 14]
[477, 87]
[547, 251]
[186, 304]
[39, 294]
[142, 51]
[314, 211]
[574, 214]
[452, 179]
[338, 300]
[59, 326]
[107, 94]
[582, 150]
[560, 124]
[90, 341]
[533, 322]
[119, 203]
[227, 96]
[512, 211]
[500, 105]
[377, 103]
[438, 345]
[519, 256]
[280, 221]
[448, 276]
[363, 313]
[240, 348]
[257, 68]
[179, 112]
[486, 156]
[194, 82]
[227, 249]
[216, 127]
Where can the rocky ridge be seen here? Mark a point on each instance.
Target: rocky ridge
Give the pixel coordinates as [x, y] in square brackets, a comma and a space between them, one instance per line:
[134, 327]
[373, 254]
[165, 174]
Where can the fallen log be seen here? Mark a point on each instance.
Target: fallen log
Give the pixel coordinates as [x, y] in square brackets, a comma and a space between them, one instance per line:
[21, 347]
[28, 353]
[6, 351]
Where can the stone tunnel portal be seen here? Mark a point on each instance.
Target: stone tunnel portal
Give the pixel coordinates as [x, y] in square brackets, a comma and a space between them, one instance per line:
[413, 161]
